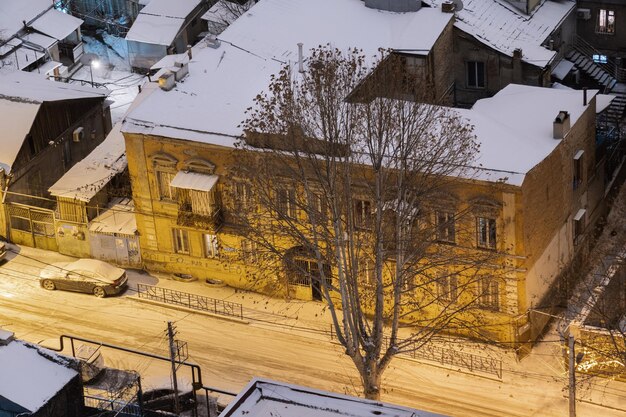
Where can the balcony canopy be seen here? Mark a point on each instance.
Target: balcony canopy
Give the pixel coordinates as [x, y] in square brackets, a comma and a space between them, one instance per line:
[194, 181]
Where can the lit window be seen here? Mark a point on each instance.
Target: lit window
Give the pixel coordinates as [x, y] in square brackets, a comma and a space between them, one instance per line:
[599, 59]
[486, 232]
[181, 241]
[210, 246]
[475, 74]
[445, 226]
[606, 22]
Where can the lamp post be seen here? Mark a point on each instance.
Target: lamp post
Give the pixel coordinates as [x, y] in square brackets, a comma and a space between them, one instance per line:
[92, 61]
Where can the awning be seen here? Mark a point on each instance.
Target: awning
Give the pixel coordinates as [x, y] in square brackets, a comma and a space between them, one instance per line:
[579, 155]
[579, 215]
[25, 56]
[56, 24]
[194, 181]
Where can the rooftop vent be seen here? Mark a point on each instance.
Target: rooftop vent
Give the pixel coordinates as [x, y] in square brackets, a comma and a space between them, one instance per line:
[212, 41]
[395, 5]
[6, 337]
[180, 70]
[561, 125]
[447, 7]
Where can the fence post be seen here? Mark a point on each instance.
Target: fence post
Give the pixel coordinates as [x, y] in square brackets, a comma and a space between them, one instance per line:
[215, 305]
[189, 300]
[471, 363]
[241, 311]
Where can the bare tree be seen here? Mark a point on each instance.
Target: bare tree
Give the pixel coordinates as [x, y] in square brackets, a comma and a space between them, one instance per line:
[353, 194]
[226, 12]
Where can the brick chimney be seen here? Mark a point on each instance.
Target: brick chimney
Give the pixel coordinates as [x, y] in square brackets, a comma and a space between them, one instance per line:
[561, 125]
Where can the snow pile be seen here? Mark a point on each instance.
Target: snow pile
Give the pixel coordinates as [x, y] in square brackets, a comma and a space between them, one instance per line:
[31, 375]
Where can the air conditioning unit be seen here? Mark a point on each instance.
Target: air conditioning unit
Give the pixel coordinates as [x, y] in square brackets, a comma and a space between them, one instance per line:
[78, 134]
[584, 14]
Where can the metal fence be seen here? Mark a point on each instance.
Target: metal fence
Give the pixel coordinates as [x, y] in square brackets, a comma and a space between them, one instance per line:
[193, 301]
[117, 406]
[451, 357]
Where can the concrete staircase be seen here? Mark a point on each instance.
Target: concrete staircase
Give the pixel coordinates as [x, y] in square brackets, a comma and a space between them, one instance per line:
[594, 70]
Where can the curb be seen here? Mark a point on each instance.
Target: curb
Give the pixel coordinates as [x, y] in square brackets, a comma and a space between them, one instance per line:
[191, 310]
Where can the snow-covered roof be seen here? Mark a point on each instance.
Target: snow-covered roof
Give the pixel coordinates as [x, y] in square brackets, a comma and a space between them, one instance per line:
[342, 23]
[210, 104]
[31, 375]
[119, 218]
[160, 21]
[14, 12]
[504, 28]
[179, 8]
[39, 39]
[266, 398]
[21, 58]
[158, 30]
[56, 24]
[515, 128]
[24, 86]
[21, 95]
[88, 176]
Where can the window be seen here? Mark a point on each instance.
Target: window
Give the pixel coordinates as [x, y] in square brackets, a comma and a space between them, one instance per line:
[166, 191]
[181, 241]
[486, 232]
[578, 169]
[366, 272]
[579, 225]
[445, 226]
[317, 208]
[362, 214]
[243, 195]
[286, 202]
[249, 251]
[489, 293]
[447, 287]
[210, 246]
[606, 22]
[475, 74]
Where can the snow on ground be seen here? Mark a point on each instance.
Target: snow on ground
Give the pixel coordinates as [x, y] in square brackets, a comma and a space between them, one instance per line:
[113, 72]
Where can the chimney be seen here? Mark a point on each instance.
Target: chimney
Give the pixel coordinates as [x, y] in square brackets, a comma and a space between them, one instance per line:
[447, 7]
[300, 58]
[167, 81]
[517, 53]
[561, 125]
[584, 96]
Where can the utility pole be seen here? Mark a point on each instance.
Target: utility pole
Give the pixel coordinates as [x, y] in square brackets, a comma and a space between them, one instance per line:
[170, 334]
[572, 377]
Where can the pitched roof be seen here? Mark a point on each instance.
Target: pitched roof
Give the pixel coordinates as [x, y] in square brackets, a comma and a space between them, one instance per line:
[21, 95]
[31, 375]
[500, 26]
[265, 398]
[160, 21]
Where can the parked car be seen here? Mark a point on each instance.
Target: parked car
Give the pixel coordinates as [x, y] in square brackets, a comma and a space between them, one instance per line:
[85, 275]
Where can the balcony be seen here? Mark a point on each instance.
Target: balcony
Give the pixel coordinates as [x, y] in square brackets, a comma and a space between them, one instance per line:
[210, 219]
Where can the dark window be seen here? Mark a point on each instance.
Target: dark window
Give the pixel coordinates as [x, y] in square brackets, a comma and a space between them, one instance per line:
[476, 74]
[286, 202]
[489, 293]
[445, 226]
[362, 214]
[578, 169]
[486, 232]
[447, 287]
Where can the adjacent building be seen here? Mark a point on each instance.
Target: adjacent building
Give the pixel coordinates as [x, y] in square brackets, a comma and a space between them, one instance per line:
[48, 127]
[36, 37]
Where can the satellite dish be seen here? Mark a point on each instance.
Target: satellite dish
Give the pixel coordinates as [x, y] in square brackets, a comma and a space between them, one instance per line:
[458, 5]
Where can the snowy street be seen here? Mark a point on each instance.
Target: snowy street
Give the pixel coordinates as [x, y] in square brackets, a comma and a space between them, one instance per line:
[232, 352]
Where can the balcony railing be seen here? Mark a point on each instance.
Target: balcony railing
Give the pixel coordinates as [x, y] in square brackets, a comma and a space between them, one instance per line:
[189, 218]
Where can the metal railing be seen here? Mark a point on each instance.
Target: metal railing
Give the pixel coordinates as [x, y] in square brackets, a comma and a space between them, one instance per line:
[108, 404]
[589, 51]
[193, 301]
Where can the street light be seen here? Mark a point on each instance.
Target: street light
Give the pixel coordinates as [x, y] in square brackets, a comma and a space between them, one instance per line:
[92, 61]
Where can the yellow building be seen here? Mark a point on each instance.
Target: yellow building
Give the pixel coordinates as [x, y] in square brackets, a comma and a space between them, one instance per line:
[536, 195]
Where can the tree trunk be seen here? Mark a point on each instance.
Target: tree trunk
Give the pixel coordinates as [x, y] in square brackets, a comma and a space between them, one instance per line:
[371, 384]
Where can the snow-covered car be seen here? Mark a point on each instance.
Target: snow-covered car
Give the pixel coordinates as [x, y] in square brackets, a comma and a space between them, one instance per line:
[3, 250]
[84, 275]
